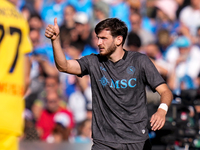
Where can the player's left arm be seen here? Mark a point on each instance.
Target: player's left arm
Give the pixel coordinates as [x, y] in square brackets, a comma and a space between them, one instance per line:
[158, 119]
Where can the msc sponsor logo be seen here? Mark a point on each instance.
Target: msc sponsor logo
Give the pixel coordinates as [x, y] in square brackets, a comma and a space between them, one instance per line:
[124, 83]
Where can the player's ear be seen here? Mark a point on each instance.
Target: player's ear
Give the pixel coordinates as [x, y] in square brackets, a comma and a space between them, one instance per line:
[118, 40]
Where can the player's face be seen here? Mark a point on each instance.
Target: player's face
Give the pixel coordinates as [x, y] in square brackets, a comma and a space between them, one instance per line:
[106, 43]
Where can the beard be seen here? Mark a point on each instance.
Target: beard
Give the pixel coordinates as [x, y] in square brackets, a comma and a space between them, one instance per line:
[109, 50]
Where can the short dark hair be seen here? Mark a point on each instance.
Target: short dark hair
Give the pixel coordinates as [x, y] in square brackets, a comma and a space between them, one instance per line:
[133, 40]
[35, 15]
[78, 44]
[115, 26]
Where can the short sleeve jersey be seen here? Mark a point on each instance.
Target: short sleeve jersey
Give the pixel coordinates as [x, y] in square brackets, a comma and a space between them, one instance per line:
[14, 43]
[119, 99]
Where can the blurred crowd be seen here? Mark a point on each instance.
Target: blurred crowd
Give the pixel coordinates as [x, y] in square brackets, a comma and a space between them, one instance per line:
[58, 105]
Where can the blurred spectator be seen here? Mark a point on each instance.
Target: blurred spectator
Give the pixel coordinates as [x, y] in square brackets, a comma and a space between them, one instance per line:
[69, 13]
[189, 16]
[82, 31]
[100, 12]
[42, 52]
[26, 11]
[145, 36]
[120, 9]
[140, 6]
[84, 132]
[164, 41]
[37, 4]
[35, 22]
[76, 50]
[81, 100]
[78, 42]
[165, 17]
[150, 8]
[61, 131]
[36, 73]
[156, 57]
[67, 26]
[135, 6]
[168, 14]
[106, 1]
[40, 46]
[41, 63]
[91, 47]
[73, 51]
[185, 59]
[82, 6]
[51, 9]
[153, 52]
[133, 42]
[52, 84]
[45, 123]
[181, 4]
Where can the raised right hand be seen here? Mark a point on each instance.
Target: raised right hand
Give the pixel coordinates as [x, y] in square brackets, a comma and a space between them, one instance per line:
[52, 31]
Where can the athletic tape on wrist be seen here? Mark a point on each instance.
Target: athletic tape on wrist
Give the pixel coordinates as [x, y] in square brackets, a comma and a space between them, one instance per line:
[163, 106]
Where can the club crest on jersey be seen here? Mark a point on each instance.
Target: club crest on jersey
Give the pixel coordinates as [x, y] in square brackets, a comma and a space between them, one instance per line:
[143, 131]
[104, 81]
[130, 70]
